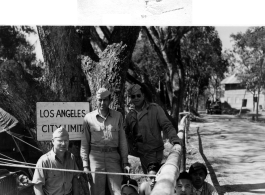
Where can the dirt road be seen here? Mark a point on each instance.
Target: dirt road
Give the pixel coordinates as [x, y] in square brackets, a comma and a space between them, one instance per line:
[234, 152]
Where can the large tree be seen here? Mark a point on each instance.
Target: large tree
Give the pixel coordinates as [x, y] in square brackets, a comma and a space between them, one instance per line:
[204, 62]
[189, 57]
[166, 41]
[249, 54]
[77, 62]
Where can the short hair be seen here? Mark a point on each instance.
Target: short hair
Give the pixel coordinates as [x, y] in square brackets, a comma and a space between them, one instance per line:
[184, 175]
[197, 166]
[130, 183]
[153, 166]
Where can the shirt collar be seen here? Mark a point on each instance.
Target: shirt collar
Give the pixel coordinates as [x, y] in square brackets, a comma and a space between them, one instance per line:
[198, 190]
[108, 115]
[145, 105]
[66, 154]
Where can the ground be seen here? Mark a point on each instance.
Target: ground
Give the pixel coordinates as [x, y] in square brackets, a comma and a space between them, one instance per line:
[232, 149]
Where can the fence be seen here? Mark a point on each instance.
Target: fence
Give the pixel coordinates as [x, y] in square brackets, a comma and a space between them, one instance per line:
[176, 161]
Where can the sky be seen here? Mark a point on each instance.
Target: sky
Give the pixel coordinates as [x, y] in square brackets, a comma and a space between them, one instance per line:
[225, 32]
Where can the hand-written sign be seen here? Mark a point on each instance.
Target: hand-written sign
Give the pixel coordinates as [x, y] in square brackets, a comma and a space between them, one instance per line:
[52, 115]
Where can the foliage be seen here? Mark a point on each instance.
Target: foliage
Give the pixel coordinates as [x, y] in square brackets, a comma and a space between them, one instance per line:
[14, 45]
[201, 52]
[187, 60]
[248, 55]
[147, 60]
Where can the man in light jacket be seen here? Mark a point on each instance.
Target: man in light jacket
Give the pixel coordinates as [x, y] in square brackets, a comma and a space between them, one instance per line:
[143, 126]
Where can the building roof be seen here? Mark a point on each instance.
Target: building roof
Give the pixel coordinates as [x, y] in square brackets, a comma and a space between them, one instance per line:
[230, 80]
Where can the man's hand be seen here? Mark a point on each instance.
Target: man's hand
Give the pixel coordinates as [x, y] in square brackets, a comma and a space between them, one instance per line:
[177, 147]
[88, 174]
[86, 170]
[126, 168]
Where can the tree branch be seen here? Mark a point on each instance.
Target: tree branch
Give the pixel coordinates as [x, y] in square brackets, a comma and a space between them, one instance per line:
[132, 79]
[156, 48]
[106, 32]
[95, 38]
[121, 34]
[86, 47]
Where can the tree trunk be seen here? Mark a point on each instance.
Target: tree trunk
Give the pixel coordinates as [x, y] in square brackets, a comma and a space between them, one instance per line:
[166, 43]
[197, 102]
[110, 71]
[19, 93]
[61, 47]
[254, 101]
[257, 109]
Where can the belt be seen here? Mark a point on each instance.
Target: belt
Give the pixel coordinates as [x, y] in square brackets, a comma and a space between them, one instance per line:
[104, 148]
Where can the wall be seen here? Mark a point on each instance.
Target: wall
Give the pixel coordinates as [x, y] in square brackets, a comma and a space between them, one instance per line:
[234, 98]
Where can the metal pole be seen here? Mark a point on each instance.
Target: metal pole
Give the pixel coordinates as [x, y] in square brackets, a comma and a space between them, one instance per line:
[169, 172]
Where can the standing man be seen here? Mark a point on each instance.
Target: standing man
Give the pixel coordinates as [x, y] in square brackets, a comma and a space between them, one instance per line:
[49, 182]
[104, 145]
[143, 126]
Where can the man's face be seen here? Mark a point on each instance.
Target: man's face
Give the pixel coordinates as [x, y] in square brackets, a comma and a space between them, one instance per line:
[198, 178]
[60, 144]
[184, 187]
[103, 104]
[137, 98]
[152, 179]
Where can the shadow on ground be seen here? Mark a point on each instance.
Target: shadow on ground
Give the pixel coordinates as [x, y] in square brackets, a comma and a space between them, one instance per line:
[209, 166]
[242, 188]
[258, 188]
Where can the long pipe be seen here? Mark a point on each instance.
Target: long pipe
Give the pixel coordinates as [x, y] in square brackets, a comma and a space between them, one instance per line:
[169, 172]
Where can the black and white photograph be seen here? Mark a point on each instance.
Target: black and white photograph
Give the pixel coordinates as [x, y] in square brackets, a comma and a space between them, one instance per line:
[156, 97]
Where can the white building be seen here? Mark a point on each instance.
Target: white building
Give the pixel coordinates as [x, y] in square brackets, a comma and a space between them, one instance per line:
[235, 93]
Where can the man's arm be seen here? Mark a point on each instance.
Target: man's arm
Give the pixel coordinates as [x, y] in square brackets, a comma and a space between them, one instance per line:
[167, 126]
[85, 144]
[39, 176]
[142, 188]
[38, 189]
[123, 147]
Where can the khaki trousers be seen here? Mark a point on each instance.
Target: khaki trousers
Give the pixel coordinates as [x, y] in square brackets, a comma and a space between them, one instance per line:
[105, 162]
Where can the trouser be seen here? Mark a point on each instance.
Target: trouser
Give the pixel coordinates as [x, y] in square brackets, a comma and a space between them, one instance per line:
[105, 162]
[71, 193]
[149, 157]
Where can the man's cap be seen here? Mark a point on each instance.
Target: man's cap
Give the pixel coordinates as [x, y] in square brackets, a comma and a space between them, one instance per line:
[184, 175]
[102, 93]
[197, 166]
[153, 166]
[133, 89]
[60, 132]
[130, 183]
